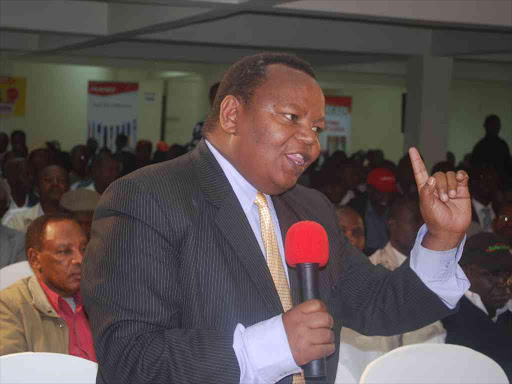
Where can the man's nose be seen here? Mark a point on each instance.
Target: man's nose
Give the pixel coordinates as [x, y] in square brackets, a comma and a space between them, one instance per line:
[306, 134]
[78, 257]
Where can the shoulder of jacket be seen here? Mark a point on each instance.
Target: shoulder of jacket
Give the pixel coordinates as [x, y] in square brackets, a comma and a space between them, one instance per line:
[17, 294]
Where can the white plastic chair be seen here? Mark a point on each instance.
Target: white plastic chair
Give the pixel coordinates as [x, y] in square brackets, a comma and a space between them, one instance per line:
[14, 272]
[46, 368]
[434, 363]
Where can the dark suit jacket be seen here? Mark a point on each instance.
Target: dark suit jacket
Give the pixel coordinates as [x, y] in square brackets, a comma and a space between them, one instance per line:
[173, 266]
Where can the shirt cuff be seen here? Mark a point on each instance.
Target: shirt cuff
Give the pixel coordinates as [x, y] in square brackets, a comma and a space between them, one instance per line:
[263, 352]
[439, 270]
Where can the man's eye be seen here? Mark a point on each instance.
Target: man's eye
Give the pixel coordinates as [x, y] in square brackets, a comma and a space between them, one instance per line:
[317, 130]
[291, 116]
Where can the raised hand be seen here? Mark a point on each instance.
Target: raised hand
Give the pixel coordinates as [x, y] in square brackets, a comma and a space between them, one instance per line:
[445, 204]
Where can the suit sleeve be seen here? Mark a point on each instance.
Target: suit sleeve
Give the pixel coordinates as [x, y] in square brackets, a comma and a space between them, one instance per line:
[374, 300]
[131, 290]
[12, 332]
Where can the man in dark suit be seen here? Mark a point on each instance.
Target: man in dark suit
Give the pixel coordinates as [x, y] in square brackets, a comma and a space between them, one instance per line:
[176, 281]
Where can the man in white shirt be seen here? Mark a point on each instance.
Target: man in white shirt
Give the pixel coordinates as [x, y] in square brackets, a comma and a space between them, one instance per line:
[53, 182]
[356, 350]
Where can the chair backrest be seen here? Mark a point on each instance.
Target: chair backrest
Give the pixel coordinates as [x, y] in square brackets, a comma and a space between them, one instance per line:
[46, 368]
[434, 363]
[14, 272]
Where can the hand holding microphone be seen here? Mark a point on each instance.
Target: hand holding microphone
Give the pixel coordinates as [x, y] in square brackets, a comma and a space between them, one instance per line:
[308, 325]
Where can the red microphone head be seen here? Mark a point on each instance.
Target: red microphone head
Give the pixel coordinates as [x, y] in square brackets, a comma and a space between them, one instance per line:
[306, 242]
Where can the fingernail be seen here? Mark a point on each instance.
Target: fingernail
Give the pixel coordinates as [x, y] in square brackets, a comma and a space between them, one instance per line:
[444, 196]
[431, 181]
[453, 194]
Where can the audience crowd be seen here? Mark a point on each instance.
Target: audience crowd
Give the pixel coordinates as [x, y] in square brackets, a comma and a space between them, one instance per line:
[48, 197]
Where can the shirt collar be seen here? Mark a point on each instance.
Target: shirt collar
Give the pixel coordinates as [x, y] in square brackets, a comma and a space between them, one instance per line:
[478, 205]
[56, 301]
[476, 300]
[244, 191]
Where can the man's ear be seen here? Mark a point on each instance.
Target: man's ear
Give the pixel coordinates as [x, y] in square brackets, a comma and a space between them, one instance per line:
[33, 259]
[229, 113]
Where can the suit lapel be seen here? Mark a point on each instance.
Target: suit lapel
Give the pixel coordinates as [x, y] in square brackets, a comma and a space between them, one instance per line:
[232, 222]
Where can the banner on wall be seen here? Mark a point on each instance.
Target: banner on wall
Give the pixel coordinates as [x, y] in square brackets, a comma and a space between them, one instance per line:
[337, 133]
[112, 110]
[13, 91]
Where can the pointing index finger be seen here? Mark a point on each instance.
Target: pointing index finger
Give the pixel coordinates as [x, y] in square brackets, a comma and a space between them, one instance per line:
[420, 172]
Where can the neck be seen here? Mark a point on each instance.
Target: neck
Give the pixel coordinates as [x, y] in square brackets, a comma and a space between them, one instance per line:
[19, 196]
[49, 206]
[490, 310]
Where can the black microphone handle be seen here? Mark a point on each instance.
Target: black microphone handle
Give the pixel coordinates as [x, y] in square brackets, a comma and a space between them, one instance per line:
[307, 274]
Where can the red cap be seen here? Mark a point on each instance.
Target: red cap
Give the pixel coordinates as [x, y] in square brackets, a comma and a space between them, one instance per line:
[382, 179]
[162, 146]
[306, 242]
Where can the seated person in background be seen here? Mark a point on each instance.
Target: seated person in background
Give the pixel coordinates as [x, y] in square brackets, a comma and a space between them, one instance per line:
[12, 243]
[160, 154]
[79, 166]
[374, 207]
[44, 312]
[20, 177]
[53, 182]
[502, 224]
[124, 156]
[81, 205]
[19, 143]
[143, 151]
[352, 225]
[483, 186]
[357, 351]
[484, 320]
[105, 170]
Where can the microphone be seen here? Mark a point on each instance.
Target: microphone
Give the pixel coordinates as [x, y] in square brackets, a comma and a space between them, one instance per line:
[307, 249]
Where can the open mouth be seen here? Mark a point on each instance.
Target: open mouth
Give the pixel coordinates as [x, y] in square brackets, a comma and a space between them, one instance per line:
[297, 158]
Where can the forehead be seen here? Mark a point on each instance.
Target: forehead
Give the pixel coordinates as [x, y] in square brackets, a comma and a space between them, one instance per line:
[58, 231]
[284, 84]
[53, 170]
[350, 219]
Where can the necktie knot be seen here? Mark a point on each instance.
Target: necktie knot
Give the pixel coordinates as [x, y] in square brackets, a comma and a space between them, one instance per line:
[261, 201]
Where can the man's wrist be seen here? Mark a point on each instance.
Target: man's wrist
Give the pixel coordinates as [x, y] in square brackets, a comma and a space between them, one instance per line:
[441, 241]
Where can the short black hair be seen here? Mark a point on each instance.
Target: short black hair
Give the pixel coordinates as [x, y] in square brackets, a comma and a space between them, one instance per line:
[246, 75]
[489, 118]
[35, 232]
[18, 133]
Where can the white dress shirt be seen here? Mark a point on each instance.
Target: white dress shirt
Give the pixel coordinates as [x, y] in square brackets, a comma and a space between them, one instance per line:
[262, 350]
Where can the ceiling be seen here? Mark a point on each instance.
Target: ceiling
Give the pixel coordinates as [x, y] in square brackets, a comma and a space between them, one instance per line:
[325, 32]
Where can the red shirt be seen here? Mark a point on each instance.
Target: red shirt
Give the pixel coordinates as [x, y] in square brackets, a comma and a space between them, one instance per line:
[80, 336]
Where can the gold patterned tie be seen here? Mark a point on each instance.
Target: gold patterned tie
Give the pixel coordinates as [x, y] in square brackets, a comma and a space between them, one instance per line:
[274, 262]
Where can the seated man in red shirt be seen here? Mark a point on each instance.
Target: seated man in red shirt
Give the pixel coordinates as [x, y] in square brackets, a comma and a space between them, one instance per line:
[44, 313]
